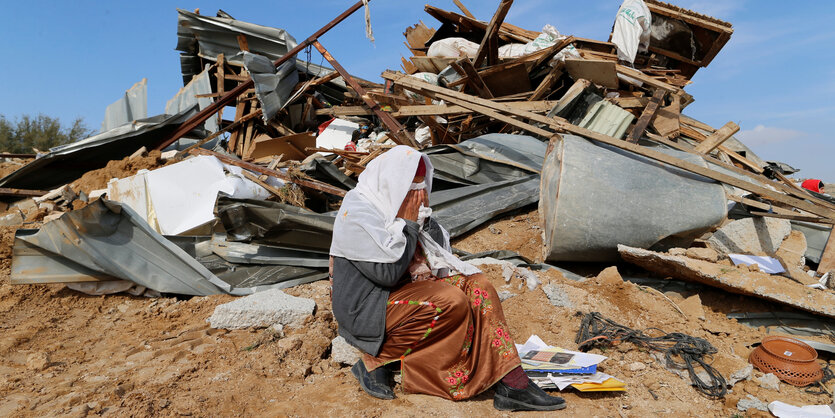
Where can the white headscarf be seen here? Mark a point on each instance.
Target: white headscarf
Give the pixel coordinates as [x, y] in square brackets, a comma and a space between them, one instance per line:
[367, 227]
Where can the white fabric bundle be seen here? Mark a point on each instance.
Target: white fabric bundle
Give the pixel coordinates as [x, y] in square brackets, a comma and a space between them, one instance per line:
[632, 29]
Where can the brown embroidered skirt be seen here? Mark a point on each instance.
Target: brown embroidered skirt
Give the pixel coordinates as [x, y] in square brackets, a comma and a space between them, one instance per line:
[449, 335]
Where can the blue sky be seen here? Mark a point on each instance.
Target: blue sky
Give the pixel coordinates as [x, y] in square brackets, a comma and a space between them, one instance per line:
[775, 77]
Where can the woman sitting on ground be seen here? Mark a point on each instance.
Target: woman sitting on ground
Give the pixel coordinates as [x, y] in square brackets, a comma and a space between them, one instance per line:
[399, 295]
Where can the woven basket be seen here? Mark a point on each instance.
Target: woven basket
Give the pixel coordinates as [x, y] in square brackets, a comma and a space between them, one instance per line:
[791, 360]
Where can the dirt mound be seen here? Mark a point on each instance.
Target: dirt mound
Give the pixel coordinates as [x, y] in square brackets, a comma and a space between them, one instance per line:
[126, 167]
[12, 165]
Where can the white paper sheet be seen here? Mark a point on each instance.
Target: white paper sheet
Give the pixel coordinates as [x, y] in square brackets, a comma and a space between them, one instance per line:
[767, 264]
[336, 135]
[784, 410]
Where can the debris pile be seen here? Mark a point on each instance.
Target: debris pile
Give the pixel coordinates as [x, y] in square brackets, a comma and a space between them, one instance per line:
[233, 190]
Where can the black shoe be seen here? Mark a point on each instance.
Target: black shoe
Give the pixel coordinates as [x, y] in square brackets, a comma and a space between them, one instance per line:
[532, 398]
[376, 383]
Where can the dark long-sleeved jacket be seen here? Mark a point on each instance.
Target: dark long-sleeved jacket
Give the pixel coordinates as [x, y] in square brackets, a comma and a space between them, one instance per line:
[361, 290]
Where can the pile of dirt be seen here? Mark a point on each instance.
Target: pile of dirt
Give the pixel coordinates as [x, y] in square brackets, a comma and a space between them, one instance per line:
[11, 165]
[62, 352]
[519, 232]
[126, 167]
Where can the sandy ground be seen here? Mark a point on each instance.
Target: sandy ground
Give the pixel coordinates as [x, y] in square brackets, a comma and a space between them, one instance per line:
[64, 353]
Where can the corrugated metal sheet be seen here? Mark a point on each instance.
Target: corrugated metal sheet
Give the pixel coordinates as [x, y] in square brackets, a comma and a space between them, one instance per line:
[185, 98]
[205, 37]
[132, 106]
[273, 87]
[607, 119]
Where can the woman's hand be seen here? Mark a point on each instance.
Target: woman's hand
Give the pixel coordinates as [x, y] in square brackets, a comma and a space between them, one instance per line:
[411, 205]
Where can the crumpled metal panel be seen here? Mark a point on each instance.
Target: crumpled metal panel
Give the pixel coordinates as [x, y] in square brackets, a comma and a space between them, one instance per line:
[110, 238]
[186, 98]
[276, 224]
[132, 106]
[487, 159]
[207, 36]
[273, 87]
[594, 197]
[462, 209]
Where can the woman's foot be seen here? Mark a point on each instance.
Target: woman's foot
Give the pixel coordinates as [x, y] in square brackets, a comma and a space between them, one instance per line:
[531, 398]
[376, 383]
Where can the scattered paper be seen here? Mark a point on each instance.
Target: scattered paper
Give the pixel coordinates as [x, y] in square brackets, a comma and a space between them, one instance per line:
[766, 264]
[784, 410]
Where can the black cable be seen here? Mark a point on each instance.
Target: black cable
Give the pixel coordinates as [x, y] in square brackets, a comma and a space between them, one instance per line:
[597, 331]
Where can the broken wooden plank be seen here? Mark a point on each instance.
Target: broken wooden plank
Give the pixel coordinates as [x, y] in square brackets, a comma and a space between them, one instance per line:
[397, 131]
[643, 78]
[310, 184]
[760, 285]
[717, 138]
[489, 47]
[463, 9]
[827, 263]
[547, 83]
[666, 121]
[6, 191]
[646, 116]
[464, 67]
[601, 72]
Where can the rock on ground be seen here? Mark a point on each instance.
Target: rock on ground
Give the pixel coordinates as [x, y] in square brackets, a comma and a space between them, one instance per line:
[750, 402]
[262, 310]
[610, 275]
[557, 295]
[692, 306]
[769, 381]
[344, 353]
[751, 236]
[706, 254]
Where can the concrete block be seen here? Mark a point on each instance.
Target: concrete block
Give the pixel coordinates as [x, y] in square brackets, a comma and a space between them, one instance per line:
[344, 353]
[756, 236]
[262, 310]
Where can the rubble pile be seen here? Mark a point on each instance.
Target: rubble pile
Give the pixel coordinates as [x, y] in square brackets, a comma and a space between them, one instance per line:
[563, 149]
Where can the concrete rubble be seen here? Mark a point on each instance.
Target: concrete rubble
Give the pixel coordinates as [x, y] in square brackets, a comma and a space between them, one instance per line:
[262, 310]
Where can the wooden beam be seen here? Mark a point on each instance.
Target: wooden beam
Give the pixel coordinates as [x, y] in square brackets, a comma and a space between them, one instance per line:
[828, 257]
[802, 218]
[717, 138]
[562, 125]
[242, 43]
[547, 83]
[463, 9]
[310, 184]
[262, 183]
[646, 116]
[6, 191]
[398, 132]
[489, 48]
[464, 67]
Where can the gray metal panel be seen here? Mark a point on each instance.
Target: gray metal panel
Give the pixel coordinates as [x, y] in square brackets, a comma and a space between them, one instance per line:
[132, 106]
[595, 196]
[273, 87]
[816, 237]
[462, 209]
[34, 265]
[108, 237]
[487, 159]
[186, 98]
